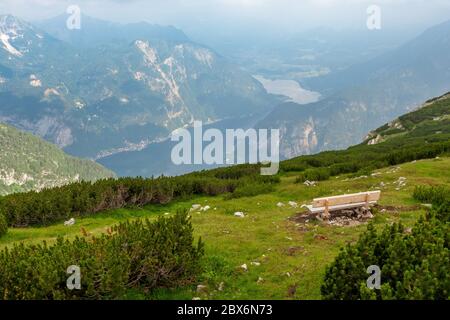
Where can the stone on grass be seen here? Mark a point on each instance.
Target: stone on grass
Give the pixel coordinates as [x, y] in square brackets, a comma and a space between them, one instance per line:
[293, 204]
[201, 288]
[239, 214]
[69, 222]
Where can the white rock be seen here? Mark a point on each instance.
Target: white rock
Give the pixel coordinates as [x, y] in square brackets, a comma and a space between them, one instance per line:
[205, 208]
[196, 206]
[244, 267]
[201, 288]
[280, 204]
[309, 183]
[260, 280]
[293, 204]
[69, 222]
[239, 214]
[256, 263]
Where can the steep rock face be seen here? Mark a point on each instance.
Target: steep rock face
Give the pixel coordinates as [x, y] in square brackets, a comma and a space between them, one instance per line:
[108, 86]
[370, 94]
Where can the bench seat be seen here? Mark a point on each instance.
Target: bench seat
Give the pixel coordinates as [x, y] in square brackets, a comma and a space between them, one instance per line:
[338, 207]
[326, 205]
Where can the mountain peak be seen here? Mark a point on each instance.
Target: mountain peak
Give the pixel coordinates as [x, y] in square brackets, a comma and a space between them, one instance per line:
[10, 23]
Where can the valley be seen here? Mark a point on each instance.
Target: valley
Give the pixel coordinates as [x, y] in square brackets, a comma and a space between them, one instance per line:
[290, 89]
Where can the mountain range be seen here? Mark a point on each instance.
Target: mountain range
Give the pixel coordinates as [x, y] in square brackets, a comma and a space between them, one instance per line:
[114, 92]
[109, 88]
[365, 96]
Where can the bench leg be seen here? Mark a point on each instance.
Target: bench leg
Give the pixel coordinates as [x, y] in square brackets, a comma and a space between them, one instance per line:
[326, 213]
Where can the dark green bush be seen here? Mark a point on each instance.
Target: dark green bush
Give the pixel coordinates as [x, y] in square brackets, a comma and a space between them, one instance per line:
[85, 198]
[3, 225]
[413, 265]
[317, 174]
[140, 255]
[431, 194]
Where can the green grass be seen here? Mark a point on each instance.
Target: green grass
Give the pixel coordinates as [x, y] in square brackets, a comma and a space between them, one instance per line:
[292, 257]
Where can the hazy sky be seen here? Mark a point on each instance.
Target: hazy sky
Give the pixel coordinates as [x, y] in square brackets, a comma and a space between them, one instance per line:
[282, 15]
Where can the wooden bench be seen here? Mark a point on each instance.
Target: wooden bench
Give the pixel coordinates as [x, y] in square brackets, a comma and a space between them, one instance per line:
[347, 201]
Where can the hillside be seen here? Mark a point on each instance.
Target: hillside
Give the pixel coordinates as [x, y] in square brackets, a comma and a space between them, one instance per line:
[431, 120]
[422, 133]
[270, 251]
[30, 163]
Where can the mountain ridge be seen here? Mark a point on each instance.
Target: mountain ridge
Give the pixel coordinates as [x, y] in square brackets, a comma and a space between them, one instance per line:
[93, 99]
[29, 163]
[378, 91]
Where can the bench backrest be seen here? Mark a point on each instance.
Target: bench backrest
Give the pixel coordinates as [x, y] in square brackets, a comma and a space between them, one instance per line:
[369, 196]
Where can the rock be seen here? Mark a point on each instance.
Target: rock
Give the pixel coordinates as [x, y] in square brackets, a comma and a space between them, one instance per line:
[205, 208]
[309, 183]
[280, 204]
[196, 298]
[383, 210]
[201, 288]
[293, 204]
[260, 280]
[256, 263]
[408, 230]
[196, 206]
[69, 222]
[244, 267]
[239, 214]
[221, 285]
[367, 215]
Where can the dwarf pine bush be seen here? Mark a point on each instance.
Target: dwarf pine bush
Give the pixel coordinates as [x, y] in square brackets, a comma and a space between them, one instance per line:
[3, 225]
[141, 255]
[413, 265]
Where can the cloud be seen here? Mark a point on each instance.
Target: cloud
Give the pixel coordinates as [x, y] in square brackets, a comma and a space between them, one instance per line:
[264, 13]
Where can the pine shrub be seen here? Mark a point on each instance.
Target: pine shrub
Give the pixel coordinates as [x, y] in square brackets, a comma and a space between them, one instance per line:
[140, 255]
[3, 225]
[413, 265]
